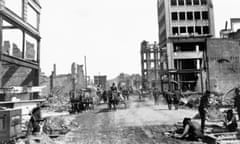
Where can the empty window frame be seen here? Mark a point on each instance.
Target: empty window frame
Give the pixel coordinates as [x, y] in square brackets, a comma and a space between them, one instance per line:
[182, 16]
[152, 56]
[173, 2]
[16, 6]
[144, 56]
[190, 29]
[197, 15]
[175, 30]
[198, 30]
[174, 16]
[204, 15]
[189, 15]
[30, 48]
[205, 30]
[182, 29]
[180, 2]
[152, 65]
[12, 39]
[145, 65]
[203, 2]
[195, 2]
[188, 2]
[32, 16]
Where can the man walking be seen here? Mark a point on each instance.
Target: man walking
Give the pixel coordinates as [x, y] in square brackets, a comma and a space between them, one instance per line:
[204, 104]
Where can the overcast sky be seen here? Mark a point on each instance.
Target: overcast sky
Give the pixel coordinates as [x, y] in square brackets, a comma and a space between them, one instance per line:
[108, 32]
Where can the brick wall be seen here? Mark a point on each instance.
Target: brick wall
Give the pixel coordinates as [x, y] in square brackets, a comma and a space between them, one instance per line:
[224, 64]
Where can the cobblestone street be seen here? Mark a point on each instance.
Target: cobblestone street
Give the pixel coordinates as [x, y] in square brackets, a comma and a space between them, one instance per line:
[141, 122]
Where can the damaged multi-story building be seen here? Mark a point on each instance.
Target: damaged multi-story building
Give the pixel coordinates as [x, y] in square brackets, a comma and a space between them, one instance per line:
[184, 26]
[19, 61]
[20, 48]
[150, 63]
[188, 56]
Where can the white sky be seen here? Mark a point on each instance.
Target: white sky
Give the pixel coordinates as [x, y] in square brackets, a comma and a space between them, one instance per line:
[108, 32]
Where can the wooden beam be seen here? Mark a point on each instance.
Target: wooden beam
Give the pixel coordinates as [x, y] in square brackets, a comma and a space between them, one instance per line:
[19, 22]
[9, 27]
[20, 62]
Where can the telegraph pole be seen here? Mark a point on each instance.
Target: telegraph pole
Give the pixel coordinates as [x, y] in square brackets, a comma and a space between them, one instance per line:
[85, 63]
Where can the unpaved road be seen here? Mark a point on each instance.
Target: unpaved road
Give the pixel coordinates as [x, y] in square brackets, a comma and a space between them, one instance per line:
[140, 123]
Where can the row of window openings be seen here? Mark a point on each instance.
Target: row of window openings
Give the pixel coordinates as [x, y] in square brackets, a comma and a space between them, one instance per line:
[151, 56]
[188, 2]
[16, 6]
[152, 65]
[191, 29]
[190, 15]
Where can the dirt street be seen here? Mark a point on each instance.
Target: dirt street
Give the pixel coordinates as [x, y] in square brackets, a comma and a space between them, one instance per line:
[140, 123]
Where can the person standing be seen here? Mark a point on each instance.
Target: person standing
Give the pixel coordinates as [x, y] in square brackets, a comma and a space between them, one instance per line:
[155, 94]
[204, 104]
[176, 98]
[237, 101]
[113, 87]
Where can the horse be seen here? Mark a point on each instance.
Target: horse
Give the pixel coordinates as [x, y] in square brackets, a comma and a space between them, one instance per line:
[114, 99]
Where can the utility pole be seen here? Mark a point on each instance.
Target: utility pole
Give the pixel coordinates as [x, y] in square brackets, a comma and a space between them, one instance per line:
[85, 63]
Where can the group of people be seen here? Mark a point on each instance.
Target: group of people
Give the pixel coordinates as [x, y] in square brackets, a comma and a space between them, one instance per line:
[81, 101]
[193, 131]
[172, 98]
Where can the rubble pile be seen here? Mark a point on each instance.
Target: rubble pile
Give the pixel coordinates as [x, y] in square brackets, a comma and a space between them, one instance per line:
[215, 114]
[190, 100]
[58, 103]
[59, 125]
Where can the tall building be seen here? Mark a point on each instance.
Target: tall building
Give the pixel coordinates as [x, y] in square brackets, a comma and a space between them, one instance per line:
[150, 64]
[184, 26]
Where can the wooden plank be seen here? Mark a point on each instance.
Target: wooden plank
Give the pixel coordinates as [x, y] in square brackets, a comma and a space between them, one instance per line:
[18, 89]
[23, 101]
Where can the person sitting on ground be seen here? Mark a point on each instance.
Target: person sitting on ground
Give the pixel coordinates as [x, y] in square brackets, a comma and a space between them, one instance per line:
[35, 124]
[230, 121]
[191, 130]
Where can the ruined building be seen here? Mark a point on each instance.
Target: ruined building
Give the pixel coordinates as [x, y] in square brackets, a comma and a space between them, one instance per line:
[19, 50]
[150, 63]
[184, 26]
[233, 32]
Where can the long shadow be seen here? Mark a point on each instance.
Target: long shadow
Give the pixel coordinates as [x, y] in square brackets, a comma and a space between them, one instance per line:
[29, 78]
[8, 74]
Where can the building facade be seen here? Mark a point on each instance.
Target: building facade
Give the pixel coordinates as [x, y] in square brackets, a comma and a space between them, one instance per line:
[184, 26]
[19, 48]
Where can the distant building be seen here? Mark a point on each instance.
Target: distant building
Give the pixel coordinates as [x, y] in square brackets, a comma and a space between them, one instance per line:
[233, 32]
[101, 80]
[150, 64]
